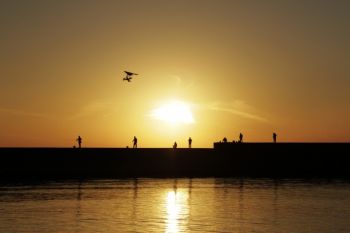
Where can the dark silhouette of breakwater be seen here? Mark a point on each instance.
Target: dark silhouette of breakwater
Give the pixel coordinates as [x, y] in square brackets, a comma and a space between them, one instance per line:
[274, 160]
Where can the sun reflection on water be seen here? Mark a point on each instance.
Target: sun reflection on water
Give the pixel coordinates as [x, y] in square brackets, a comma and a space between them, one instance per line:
[177, 211]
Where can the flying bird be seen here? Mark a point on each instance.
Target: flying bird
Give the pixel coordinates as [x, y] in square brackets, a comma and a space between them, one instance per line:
[129, 76]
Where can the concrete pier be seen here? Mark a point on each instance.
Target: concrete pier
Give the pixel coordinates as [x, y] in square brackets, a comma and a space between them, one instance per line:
[281, 160]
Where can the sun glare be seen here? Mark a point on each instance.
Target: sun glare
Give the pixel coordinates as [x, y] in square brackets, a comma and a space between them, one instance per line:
[174, 112]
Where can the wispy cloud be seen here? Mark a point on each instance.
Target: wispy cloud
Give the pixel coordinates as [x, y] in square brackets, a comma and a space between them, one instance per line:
[20, 112]
[239, 108]
[92, 109]
[182, 82]
[177, 79]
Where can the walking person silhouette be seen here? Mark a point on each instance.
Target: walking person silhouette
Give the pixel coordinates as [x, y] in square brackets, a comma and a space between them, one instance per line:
[190, 142]
[274, 136]
[79, 140]
[240, 137]
[135, 142]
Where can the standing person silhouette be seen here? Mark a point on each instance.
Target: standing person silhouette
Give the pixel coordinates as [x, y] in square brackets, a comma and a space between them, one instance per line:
[240, 137]
[274, 136]
[175, 145]
[135, 142]
[79, 140]
[190, 142]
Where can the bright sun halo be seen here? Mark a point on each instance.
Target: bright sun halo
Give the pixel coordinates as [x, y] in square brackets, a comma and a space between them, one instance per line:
[174, 112]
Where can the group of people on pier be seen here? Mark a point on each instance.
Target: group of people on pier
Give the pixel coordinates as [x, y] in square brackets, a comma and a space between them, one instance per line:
[224, 140]
[189, 143]
[134, 141]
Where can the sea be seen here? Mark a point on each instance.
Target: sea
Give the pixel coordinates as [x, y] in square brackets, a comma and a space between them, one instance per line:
[176, 205]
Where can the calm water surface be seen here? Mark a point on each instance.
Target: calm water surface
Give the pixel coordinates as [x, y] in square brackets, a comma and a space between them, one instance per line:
[176, 205]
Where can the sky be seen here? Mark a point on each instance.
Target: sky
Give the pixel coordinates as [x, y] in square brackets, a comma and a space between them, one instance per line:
[207, 69]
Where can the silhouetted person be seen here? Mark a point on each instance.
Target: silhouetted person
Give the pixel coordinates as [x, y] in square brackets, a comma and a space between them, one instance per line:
[274, 136]
[190, 142]
[240, 138]
[175, 145]
[79, 140]
[135, 142]
[224, 140]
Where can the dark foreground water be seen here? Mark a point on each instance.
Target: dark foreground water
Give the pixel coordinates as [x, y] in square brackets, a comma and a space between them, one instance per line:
[177, 205]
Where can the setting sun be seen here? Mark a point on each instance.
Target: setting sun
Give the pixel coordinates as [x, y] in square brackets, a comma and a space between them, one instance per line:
[174, 112]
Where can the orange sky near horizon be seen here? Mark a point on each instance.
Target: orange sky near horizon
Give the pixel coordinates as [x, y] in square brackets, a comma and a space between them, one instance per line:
[237, 66]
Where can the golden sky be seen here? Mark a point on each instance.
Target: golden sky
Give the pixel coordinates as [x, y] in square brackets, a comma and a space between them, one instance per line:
[254, 67]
